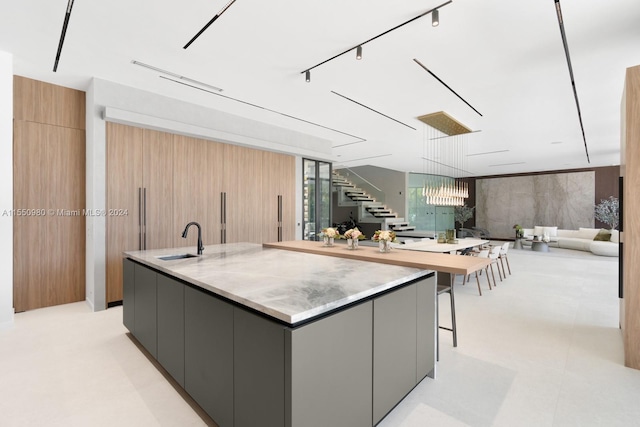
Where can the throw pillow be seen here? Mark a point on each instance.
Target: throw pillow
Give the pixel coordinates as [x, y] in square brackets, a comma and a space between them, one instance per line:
[603, 236]
[550, 231]
[615, 236]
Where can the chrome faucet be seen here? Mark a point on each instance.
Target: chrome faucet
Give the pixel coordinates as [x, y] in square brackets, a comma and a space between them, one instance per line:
[186, 230]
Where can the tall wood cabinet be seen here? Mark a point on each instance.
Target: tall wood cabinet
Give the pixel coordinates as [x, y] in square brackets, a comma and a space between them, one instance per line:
[139, 196]
[49, 195]
[630, 220]
[165, 181]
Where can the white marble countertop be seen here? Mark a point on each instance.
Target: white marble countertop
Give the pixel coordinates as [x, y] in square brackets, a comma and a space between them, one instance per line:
[290, 286]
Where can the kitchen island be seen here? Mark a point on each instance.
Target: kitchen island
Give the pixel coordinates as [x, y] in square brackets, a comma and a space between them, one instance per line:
[263, 336]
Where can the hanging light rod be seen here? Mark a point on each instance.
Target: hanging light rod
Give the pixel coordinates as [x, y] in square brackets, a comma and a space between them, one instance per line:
[451, 136]
[217, 15]
[573, 82]
[446, 85]
[447, 166]
[378, 36]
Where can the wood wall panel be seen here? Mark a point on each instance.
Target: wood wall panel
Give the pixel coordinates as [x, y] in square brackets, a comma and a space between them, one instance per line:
[124, 179]
[631, 227]
[36, 101]
[49, 248]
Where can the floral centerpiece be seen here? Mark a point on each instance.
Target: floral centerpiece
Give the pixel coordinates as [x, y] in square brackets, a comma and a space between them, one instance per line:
[328, 234]
[384, 238]
[519, 231]
[353, 235]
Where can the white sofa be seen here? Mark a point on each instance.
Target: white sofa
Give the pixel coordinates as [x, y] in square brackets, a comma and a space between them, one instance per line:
[581, 239]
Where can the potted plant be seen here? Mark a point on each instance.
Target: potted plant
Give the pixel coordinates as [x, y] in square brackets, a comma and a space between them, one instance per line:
[607, 211]
[462, 214]
[519, 231]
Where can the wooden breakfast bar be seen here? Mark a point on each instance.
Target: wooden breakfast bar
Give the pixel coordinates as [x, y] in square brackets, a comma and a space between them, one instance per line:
[439, 262]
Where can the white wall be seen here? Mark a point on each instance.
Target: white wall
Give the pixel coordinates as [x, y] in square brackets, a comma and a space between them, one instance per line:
[131, 106]
[6, 188]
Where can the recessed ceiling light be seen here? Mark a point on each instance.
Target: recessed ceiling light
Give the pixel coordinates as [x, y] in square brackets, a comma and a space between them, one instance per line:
[178, 76]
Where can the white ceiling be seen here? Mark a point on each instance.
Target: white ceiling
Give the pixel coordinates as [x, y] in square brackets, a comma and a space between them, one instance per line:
[505, 58]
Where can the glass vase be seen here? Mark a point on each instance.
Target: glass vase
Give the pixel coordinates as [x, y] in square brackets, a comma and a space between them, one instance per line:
[328, 241]
[352, 244]
[384, 246]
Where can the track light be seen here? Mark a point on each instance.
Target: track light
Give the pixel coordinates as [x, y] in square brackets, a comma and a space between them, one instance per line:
[435, 18]
[359, 52]
[307, 75]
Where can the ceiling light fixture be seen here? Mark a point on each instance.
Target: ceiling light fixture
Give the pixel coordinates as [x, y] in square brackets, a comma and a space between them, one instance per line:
[435, 18]
[563, 35]
[435, 9]
[65, 24]
[307, 76]
[178, 76]
[359, 53]
[217, 15]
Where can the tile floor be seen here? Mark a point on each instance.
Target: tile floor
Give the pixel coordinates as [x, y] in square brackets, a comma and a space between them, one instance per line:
[542, 349]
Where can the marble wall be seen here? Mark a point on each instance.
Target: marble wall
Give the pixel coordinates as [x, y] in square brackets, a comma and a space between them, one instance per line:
[565, 200]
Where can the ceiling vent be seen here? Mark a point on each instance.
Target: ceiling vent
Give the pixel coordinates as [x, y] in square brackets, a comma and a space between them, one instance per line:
[444, 123]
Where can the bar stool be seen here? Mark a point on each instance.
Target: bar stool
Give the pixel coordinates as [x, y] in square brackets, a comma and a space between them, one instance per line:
[446, 289]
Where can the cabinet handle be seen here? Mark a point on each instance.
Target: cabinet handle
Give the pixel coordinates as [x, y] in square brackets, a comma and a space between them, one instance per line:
[144, 198]
[223, 217]
[279, 218]
[139, 218]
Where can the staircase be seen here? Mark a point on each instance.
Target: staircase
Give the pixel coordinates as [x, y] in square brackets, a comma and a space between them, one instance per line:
[369, 210]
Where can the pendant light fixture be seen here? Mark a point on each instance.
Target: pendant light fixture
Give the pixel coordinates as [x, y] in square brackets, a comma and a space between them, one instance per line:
[307, 76]
[359, 53]
[435, 18]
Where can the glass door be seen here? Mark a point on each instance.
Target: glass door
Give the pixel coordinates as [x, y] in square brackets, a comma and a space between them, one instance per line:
[316, 198]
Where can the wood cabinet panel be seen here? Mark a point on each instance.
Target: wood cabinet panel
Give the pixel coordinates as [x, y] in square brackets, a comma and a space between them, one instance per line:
[278, 180]
[124, 183]
[49, 236]
[242, 183]
[197, 187]
[630, 167]
[41, 102]
[157, 182]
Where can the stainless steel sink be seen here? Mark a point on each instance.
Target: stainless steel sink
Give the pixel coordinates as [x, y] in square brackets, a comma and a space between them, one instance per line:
[176, 256]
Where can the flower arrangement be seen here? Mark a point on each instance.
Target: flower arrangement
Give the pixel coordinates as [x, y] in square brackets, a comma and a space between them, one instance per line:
[519, 231]
[354, 233]
[330, 232]
[384, 235]
[384, 239]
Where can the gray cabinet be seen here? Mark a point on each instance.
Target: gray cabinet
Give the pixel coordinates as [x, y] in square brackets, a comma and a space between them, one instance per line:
[394, 349]
[171, 326]
[145, 306]
[329, 368]
[208, 354]
[258, 370]
[128, 290]
[403, 347]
